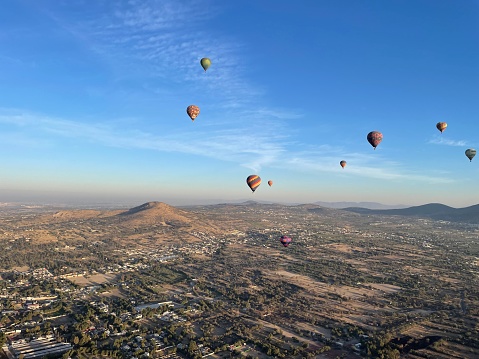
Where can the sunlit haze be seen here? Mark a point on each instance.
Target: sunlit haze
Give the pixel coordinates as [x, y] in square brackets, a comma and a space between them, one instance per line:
[93, 98]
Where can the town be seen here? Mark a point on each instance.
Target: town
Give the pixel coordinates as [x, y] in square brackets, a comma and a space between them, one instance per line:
[157, 281]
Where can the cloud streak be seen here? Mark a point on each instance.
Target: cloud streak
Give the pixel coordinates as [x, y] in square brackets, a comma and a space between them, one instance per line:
[268, 147]
[444, 141]
[163, 42]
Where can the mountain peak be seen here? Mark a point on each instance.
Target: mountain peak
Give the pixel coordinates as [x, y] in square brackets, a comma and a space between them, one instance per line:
[153, 205]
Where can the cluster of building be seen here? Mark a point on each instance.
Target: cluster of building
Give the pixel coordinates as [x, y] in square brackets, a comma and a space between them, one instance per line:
[36, 348]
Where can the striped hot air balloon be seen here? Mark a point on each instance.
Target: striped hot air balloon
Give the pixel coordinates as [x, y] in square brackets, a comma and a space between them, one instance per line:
[253, 182]
[441, 126]
[193, 111]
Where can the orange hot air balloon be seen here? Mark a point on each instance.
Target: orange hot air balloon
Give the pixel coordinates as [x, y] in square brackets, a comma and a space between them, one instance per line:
[253, 182]
[343, 163]
[193, 111]
[375, 138]
[270, 183]
[441, 126]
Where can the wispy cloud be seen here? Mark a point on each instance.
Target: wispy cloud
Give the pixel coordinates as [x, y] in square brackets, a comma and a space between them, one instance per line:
[164, 40]
[363, 165]
[439, 140]
[250, 149]
[268, 147]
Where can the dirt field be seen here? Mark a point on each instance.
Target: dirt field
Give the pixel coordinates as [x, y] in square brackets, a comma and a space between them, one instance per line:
[317, 287]
[112, 293]
[21, 269]
[312, 344]
[94, 279]
[388, 288]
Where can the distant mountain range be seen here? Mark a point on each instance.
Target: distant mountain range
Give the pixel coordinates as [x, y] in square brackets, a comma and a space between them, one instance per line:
[369, 205]
[435, 211]
[335, 205]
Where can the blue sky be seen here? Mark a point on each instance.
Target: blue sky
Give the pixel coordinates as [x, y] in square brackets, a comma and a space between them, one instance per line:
[93, 98]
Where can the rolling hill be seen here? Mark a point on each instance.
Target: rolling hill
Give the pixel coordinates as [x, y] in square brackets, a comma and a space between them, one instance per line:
[435, 211]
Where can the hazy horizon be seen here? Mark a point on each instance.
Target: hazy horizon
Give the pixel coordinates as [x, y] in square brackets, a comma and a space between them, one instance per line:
[85, 200]
[94, 96]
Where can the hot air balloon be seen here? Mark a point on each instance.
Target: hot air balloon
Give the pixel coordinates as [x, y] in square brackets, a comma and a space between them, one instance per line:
[375, 138]
[205, 63]
[343, 163]
[441, 126]
[285, 240]
[253, 182]
[270, 183]
[193, 111]
[470, 153]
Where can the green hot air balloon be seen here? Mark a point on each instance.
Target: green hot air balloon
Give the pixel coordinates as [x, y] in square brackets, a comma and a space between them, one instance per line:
[470, 153]
[205, 63]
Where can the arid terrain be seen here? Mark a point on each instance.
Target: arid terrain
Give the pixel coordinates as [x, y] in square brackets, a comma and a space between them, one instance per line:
[349, 284]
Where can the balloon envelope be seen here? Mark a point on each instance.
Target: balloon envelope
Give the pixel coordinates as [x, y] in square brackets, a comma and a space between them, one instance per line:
[285, 240]
[470, 153]
[375, 138]
[205, 63]
[270, 183]
[441, 126]
[253, 182]
[343, 164]
[193, 111]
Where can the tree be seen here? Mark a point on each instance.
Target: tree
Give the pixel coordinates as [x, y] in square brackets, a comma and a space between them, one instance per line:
[192, 347]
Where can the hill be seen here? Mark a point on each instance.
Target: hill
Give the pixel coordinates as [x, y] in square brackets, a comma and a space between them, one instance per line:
[149, 215]
[156, 213]
[436, 211]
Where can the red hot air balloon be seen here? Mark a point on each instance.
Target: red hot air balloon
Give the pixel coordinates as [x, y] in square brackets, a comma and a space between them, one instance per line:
[270, 183]
[285, 240]
[253, 182]
[375, 138]
[193, 111]
[343, 163]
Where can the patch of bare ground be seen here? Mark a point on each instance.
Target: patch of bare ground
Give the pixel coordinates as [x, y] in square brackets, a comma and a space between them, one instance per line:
[449, 280]
[286, 332]
[349, 306]
[333, 354]
[343, 248]
[314, 328]
[387, 288]
[94, 279]
[428, 328]
[445, 350]
[415, 270]
[70, 215]
[112, 293]
[21, 269]
[357, 263]
[451, 350]
[41, 236]
[317, 287]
